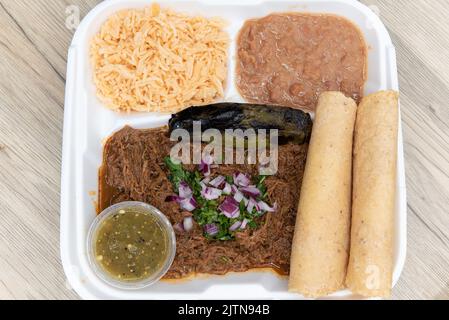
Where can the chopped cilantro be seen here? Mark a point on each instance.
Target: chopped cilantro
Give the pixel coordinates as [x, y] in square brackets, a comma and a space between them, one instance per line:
[207, 211]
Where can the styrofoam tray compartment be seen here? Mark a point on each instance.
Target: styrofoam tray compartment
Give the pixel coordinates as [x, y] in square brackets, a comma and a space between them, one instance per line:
[87, 124]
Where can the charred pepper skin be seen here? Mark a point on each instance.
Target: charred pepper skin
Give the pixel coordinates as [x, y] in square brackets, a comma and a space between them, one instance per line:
[294, 125]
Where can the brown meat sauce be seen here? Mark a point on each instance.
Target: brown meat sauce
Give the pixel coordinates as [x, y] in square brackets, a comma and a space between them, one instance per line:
[289, 59]
[133, 169]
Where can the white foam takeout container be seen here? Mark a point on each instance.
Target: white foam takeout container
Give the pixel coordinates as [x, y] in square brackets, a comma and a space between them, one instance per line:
[87, 123]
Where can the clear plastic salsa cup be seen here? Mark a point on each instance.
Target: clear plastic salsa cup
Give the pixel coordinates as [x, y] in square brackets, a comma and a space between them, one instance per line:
[123, 208]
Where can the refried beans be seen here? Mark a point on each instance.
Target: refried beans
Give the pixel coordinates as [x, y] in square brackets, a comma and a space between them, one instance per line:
[289, 59]
[133, 169]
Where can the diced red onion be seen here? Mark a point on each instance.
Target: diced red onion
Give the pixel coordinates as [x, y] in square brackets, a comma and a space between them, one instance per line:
[184, 190]
[173, 198]
[204, 168]
[230, 207]
[211, 229]
[218, 181]
[251, 191]
[187, 223]
[235, 226]
[205, 165]
[244, 223]
[210, 193]
[239, 197]
[227, 188]
[265, 207]
[234, 188]
[241, 179]
[179, 227]
[251, 205]
[188, 204]
[206, 180]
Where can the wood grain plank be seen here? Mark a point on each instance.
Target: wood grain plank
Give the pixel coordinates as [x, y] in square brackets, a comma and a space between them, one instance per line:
[31, 97]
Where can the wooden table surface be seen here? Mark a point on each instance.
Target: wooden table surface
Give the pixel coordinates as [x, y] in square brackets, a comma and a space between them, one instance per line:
[33, 53]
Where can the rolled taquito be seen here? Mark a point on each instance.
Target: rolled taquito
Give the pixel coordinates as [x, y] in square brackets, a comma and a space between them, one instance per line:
[320, 247]
[373, 204]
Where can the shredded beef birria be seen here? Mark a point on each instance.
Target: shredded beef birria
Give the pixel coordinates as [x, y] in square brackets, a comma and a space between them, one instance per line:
[133, 169]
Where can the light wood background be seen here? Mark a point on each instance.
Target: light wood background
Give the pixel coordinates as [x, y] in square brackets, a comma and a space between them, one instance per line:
[33, 50]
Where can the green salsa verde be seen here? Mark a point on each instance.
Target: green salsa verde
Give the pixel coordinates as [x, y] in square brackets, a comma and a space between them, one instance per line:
[131, 245]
